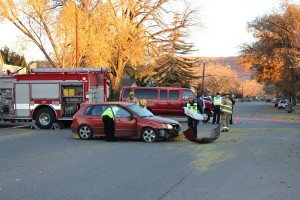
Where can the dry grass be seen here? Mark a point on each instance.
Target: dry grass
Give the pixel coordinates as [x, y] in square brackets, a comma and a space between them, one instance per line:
[295, 116]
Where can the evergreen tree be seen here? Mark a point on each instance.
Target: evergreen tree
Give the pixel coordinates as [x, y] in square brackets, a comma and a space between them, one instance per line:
[174, 68]
[12, 58]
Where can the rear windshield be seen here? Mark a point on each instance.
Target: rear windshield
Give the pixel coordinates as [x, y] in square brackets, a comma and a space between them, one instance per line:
[141, 112]
[96, 110]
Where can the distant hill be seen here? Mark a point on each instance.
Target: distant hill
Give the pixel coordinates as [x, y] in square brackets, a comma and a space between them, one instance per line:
[226, 61]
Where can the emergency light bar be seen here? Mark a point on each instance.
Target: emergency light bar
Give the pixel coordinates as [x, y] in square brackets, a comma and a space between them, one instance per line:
[61, 70]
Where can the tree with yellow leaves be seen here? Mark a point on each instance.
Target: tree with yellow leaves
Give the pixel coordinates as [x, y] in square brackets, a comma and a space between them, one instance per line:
[116, 33]
[276, 52]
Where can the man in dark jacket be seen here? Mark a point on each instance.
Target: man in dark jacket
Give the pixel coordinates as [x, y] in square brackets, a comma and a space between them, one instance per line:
[233, 102]
[200, 103]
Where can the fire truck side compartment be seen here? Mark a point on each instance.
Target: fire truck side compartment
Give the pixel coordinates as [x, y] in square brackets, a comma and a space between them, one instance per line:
[6, 99]
[22, 100]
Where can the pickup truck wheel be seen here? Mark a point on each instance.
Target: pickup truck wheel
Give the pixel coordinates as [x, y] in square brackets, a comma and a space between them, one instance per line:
[85, 132]
[206, 116]
[44, 118]
[149, 135]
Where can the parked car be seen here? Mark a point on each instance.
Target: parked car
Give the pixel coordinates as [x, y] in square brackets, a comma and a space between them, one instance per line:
[268, 100]
[165, 100]
[208, 99]
[282, 104]
[276, 102]
[131, 121]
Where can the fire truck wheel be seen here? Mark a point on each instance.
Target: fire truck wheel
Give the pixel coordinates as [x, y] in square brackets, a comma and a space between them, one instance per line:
[85, 132]
[44, 118]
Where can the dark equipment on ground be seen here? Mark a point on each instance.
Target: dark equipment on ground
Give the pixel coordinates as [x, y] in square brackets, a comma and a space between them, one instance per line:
[215, 133]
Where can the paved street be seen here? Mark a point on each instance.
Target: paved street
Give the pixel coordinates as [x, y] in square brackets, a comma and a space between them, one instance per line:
[258, 159]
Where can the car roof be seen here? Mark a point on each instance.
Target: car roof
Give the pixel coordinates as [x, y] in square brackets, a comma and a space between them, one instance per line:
[131, 87]
[110, 103]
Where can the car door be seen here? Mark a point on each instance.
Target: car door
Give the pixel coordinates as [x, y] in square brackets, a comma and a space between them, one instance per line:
[174, 105]
[125, 124]
[162, 103]
[94, 119]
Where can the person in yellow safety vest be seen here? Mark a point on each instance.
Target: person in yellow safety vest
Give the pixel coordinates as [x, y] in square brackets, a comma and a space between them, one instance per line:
[108, 118]
[192, 106]
[216, 104]
[226, 111]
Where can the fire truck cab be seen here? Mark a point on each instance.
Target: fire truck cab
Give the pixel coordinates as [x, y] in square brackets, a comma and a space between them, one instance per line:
[50, 95]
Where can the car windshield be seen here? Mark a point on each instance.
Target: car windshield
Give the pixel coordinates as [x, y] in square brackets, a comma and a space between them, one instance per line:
[141, 112]
[282, 102]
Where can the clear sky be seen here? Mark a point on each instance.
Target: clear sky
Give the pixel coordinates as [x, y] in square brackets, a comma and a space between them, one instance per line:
[225, 23]
[224, 26]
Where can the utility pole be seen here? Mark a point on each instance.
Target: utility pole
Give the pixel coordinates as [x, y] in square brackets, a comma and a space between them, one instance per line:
[203, 73]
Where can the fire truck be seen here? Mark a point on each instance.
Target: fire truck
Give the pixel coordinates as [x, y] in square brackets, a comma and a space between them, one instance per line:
[50, 96]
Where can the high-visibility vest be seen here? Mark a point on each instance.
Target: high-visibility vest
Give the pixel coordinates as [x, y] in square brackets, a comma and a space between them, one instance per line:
[108, 112]
[217, 101]
[192, 107]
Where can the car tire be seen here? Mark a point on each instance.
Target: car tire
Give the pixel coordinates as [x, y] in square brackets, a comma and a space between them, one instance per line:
[85, 132]
[206, 116]
[44, 118]
[149, 135]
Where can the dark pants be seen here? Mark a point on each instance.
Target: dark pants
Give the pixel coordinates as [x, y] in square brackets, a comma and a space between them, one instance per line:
[109, 128]
[193, 123]
[217, 113]
[230, 120]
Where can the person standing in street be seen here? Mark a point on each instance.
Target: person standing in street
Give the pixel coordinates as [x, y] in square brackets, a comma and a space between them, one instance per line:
[108, 118]
[200, 105]
[193, 123]
[216, 104]
[132, 98]
[226, 112]
[233, 102]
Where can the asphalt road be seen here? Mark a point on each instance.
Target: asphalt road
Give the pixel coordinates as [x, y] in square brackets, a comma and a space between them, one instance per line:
[258, 159]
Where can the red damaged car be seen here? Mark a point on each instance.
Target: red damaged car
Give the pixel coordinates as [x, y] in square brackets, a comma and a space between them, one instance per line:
[131, 121]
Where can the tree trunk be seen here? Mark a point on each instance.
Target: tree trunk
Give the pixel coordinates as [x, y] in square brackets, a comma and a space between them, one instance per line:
[114, 88]
[294, 98]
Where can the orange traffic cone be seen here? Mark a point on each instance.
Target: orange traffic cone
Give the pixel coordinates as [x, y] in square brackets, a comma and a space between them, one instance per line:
[255, 118]
[237, 118]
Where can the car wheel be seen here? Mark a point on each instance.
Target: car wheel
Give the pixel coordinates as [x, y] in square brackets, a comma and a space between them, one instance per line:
[85, 132]
[149, 135]
[44, 118]
[206, 116]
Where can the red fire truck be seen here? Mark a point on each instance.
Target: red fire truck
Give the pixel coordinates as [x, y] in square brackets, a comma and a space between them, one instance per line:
[47, 96]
